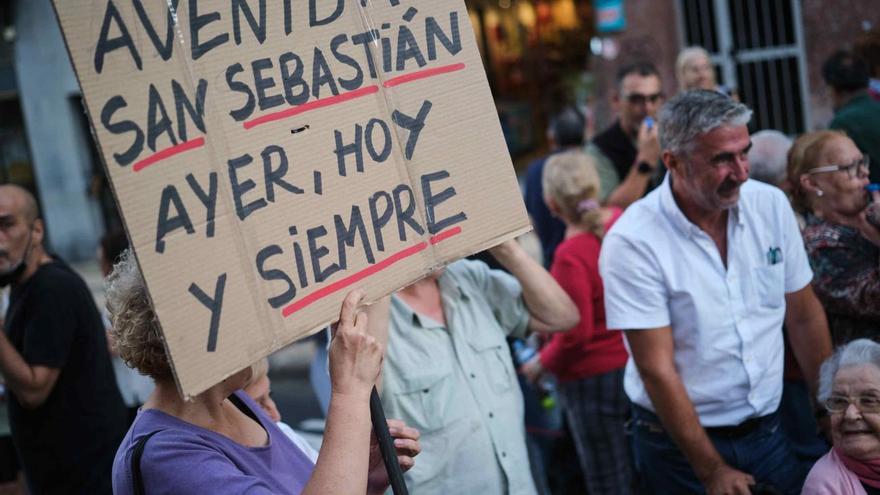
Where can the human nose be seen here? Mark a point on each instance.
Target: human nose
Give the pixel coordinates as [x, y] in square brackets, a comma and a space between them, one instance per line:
[851, 412]
[741, 168]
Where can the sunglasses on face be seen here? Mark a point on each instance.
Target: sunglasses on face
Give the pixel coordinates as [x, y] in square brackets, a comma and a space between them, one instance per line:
[837, 404]
[640, 99]
[863, 163]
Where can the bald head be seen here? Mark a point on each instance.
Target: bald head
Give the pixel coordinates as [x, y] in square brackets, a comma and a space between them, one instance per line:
[19, 201]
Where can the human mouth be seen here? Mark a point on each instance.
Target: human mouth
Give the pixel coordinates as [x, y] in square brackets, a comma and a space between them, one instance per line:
[729, 188]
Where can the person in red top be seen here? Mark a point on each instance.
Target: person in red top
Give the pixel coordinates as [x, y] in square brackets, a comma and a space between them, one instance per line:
[588, 360]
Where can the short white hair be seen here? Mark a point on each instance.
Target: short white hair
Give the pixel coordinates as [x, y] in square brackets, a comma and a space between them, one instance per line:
[859, 352]
[769, 156]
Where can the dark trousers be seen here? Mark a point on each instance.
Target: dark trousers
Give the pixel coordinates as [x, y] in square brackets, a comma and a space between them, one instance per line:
[597, 410]
[763, 452]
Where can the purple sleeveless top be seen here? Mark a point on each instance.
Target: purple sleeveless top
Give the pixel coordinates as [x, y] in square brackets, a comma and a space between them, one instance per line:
[184, 458]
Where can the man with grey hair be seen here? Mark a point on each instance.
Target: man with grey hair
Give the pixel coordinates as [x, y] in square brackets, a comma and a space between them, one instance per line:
[701, 274]
[768, 156]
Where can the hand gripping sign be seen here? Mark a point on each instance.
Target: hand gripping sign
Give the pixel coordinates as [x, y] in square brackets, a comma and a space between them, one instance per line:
[269, 155]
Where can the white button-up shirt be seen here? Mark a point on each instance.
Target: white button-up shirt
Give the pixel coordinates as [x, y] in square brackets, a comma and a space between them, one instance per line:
[659, 269]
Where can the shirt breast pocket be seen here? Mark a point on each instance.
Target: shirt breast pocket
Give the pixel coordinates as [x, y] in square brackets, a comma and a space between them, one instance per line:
[770, 285]
[423, 398]
[492, 353]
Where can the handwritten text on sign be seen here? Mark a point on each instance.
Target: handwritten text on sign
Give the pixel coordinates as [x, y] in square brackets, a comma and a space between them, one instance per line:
[267, 154]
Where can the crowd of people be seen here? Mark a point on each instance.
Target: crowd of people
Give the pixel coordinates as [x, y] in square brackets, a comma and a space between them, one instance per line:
[708, 307]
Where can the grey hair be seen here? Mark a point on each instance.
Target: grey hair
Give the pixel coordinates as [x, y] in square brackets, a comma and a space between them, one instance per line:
[856, 353]
[692, 113]
[136, 332]
[769, 156]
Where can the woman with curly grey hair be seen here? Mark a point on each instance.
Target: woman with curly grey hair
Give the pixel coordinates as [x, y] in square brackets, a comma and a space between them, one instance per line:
[221, 441]
[849, 387]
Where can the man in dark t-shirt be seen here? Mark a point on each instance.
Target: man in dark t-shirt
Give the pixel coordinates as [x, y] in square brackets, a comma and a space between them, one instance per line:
[66, 413]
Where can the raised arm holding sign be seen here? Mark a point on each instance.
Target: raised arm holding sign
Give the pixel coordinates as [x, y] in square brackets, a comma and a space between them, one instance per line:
[249, 234]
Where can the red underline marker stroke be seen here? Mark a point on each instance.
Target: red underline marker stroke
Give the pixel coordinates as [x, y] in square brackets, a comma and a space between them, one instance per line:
[422, 74]
[312, 105]
[366, 272]
[169, 152]
[446, 234]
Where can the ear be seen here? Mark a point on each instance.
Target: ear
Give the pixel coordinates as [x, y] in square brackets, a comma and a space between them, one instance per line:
[807, 184]
[38, 232]
[552, 206]
[672, 161]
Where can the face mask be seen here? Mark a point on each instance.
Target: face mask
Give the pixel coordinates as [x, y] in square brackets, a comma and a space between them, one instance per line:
[13, 274]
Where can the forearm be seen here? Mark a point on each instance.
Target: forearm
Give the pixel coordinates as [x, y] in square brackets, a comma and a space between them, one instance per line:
[630, 190]
[680, 420]
[20, 377]
[544, 298]
[343, 462]
[811, 343]
[378, 319]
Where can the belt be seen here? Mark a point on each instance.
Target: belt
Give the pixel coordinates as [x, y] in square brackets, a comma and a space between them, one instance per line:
[740, 430]
[650, 420]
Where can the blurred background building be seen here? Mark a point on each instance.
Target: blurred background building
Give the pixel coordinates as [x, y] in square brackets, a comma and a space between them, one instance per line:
[539, 55]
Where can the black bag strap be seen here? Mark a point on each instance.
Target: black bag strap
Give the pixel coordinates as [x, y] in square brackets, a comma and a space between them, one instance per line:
[137, 480]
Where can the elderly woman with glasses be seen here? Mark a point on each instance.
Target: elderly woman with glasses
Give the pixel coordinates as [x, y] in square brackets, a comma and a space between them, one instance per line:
[842, 233]
[221, 441]
[849, 386]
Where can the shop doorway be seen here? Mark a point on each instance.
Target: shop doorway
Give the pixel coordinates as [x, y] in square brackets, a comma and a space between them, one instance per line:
[757, 47]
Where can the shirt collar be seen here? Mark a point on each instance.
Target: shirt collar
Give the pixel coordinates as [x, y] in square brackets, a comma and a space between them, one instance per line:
[676, 216]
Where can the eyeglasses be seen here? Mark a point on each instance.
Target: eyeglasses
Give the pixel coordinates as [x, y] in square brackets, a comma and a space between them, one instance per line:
[640, 99]
[852, 169]
[837, 404]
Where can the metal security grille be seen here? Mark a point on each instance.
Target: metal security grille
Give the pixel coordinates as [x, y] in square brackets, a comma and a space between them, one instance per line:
[757, 48]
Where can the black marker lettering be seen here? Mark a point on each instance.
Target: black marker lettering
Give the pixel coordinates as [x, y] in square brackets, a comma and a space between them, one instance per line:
[214, 305]
[166, 224]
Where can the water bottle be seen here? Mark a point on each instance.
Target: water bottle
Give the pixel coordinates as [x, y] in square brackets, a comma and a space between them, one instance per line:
[546, 386]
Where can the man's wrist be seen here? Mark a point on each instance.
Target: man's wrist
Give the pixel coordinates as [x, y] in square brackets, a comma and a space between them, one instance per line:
[644, 168]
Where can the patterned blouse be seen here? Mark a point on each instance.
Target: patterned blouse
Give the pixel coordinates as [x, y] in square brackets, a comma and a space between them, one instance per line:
[846, 279]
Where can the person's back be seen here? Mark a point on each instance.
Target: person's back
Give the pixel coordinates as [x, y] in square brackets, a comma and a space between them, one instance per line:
[855, 112]
[860, 119]
[67, 443]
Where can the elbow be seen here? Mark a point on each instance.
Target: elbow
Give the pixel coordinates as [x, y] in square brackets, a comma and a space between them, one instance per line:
[571, 319]
[566, 319]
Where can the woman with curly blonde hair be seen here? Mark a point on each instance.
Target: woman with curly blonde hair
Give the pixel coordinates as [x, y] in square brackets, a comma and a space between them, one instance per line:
[221, 441]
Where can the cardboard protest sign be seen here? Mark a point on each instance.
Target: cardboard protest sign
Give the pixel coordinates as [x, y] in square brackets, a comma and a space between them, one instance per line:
[270, 155]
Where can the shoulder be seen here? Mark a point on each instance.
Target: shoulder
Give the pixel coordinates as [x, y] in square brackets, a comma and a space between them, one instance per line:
[755, 190]
[536, 169]
[56, 276]
[609, 136]
[640, 220]
[577, 248]
[765, 201]
[819, 234]
[829, 476]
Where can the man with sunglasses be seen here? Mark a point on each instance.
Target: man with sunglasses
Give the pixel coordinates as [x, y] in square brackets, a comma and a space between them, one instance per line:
[628, 152]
